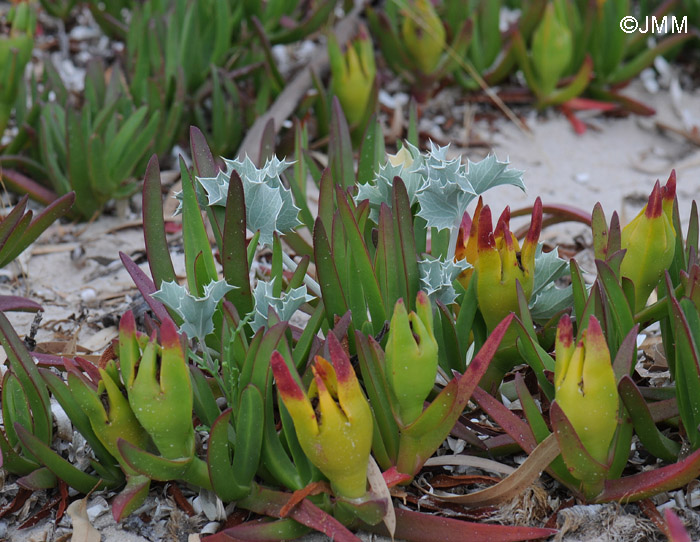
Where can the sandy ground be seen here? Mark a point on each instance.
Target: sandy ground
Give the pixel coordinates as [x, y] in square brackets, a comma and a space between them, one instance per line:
[74, 271]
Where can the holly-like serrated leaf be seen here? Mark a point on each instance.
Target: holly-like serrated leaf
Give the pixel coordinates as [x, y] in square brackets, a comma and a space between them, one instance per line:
[547, 299]
[269, 204]
[490, 172]
[439, 168]
[263, 207]
[285, 305]
[216, 187]
[197, 312]
[412, 174]
[446, 194]
[548, 268]
[550, 301]
[441, 205]
[437, 276]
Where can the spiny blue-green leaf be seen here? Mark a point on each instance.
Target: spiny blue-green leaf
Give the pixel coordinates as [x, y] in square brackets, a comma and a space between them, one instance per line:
[440, 168]
[490, 172]
[197, 312]
[216, 188]
[446, 194]
[547, 299]
[269, 205]
[550, 301]
[285, 305]
[548, 268]
[437, 276]
[407, 164]
[443, 205]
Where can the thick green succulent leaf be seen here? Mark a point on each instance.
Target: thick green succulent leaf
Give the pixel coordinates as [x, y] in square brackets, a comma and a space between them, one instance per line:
[157, 467]
[154, 226]
[221, 474]
[420, 439]
[131, 497]
[653, 440]
[62, 468]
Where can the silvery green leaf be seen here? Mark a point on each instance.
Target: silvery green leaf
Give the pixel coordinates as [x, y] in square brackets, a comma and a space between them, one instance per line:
[270, 206]
[439, 168]
[263, 208]
[489, 172]
[201, 199]
[269, 173]
[443, 205]
[285, 305]
[437, 276]
[412, 175]
[376, 194]
[197, 312]
[547, 299]
[548, 268]
[444, 198]
[216, 187]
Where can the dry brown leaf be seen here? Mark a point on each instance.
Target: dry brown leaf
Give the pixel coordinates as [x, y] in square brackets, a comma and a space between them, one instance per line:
[540, 458]
[379, 487]
[83, 531]
[469, 461]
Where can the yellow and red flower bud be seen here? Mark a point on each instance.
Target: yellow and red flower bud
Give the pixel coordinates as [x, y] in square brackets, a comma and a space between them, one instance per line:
[333, 421]
[423, 34]
[411, 357]
[500, 263]
[466, 248]
[585, 386]
[650, 242]
[353, 74]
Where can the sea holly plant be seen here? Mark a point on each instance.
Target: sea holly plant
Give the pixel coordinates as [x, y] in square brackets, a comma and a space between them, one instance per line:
[442, 187]
[269, 204]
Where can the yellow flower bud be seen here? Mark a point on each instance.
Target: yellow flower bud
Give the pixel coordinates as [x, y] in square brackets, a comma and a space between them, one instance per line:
[585, 386]
[500, 263]
[333, 422]
[650, 242]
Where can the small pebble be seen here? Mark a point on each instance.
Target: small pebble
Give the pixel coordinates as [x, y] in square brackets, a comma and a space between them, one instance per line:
[88, 294]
